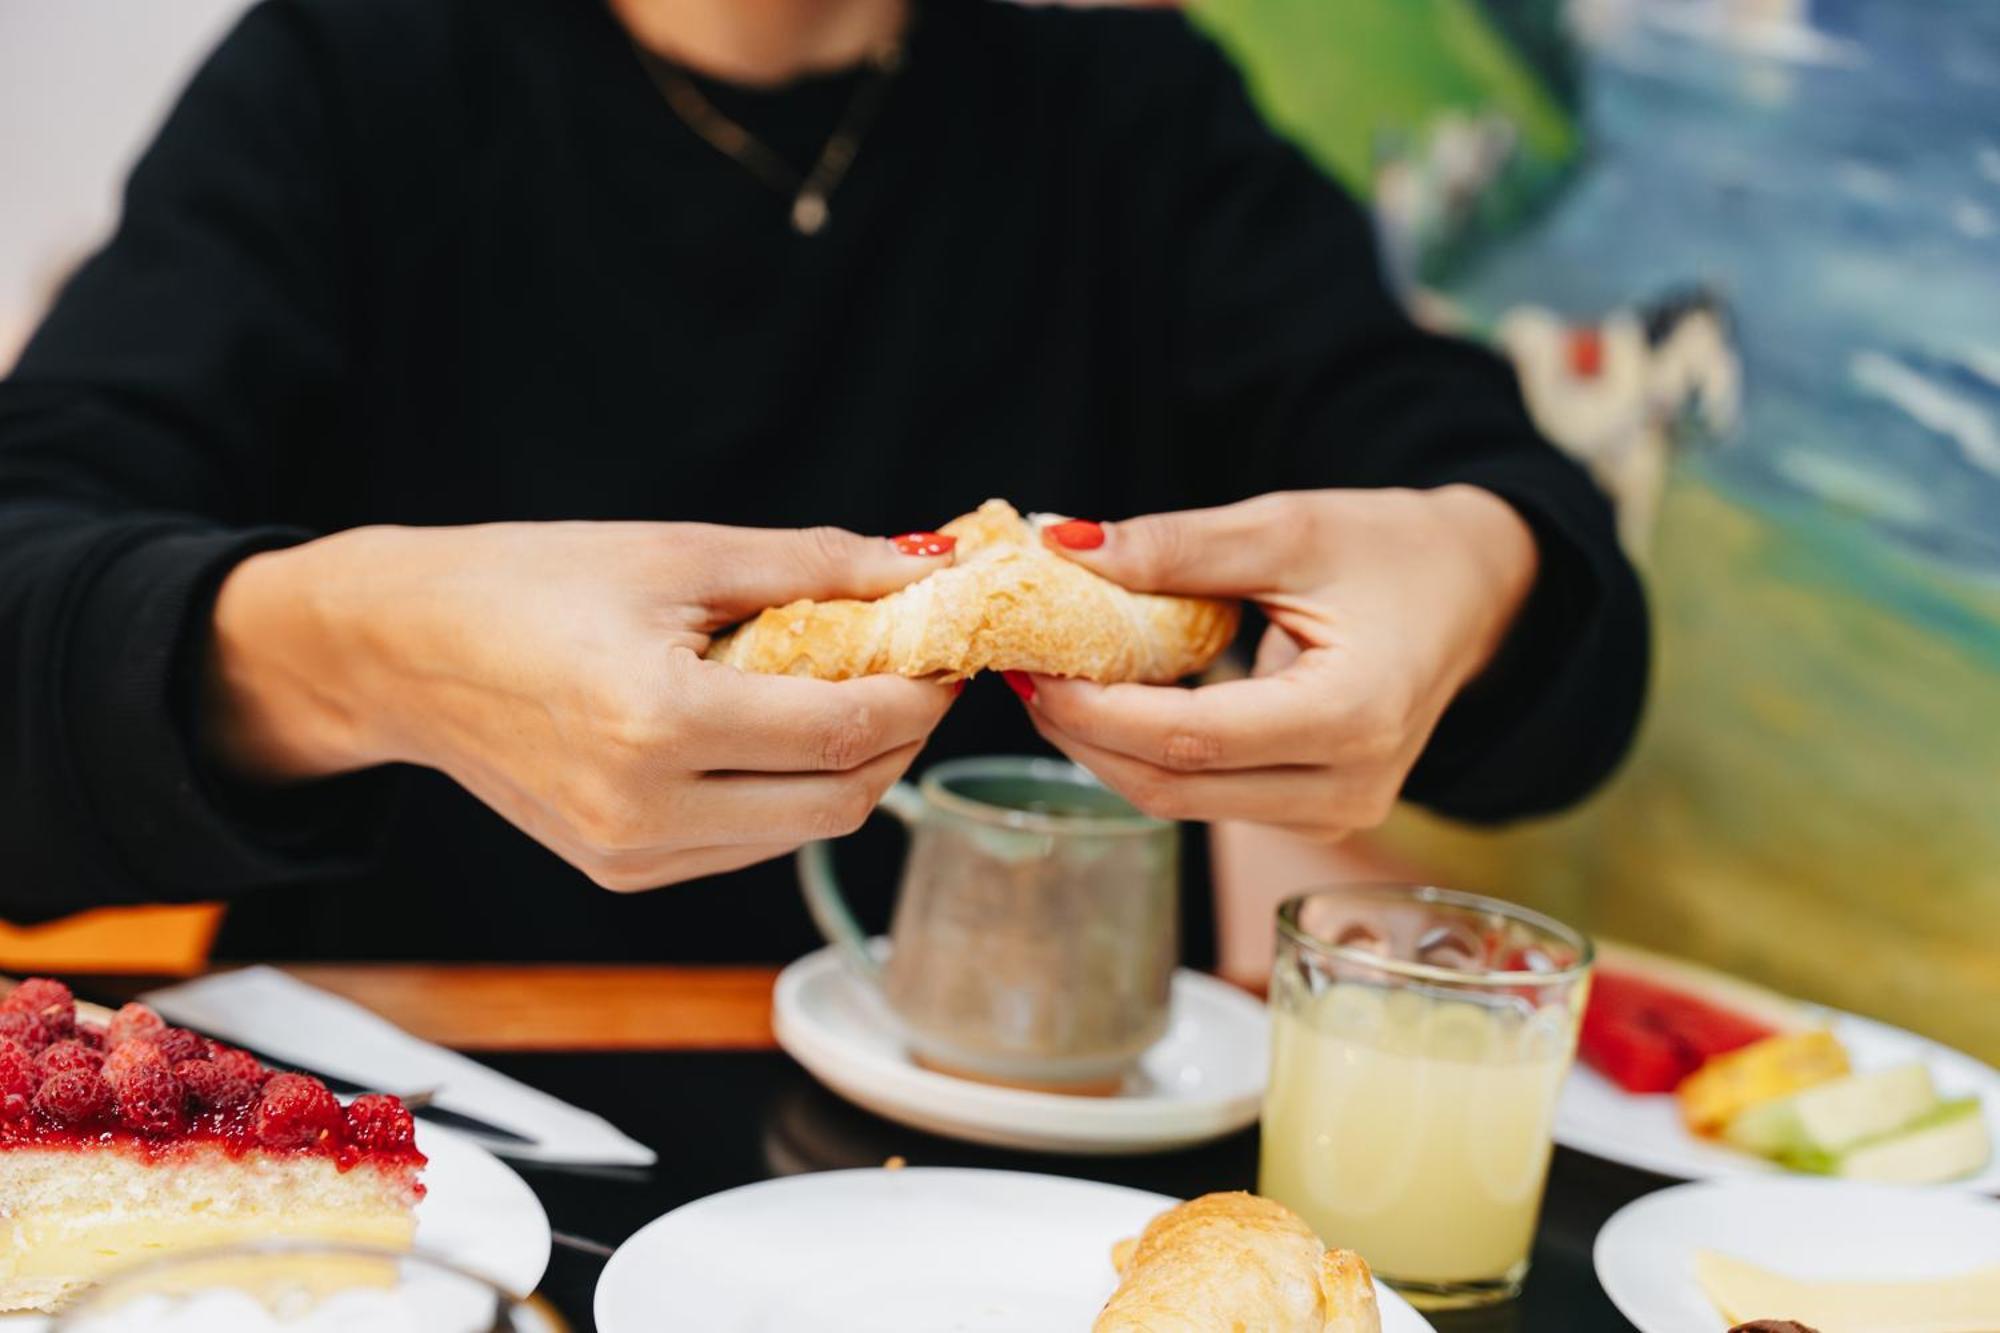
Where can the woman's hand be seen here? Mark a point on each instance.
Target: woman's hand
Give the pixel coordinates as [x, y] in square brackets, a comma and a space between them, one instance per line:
[1383, 605]
[555, 671]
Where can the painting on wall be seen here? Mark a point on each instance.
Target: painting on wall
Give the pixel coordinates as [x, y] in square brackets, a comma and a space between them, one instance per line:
[1746, 256]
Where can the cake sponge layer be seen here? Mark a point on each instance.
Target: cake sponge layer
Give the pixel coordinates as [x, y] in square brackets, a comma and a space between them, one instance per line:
[68, 1216]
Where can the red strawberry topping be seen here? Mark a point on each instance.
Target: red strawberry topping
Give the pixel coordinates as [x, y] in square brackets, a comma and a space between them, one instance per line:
[63, 1056]
[150, 1099]
[48, 1000]
[134, 1020]
[210, 1087]
[18, 1079]
[178, 1044]
[295, 1110]
[73, 1098]
[24, 1028]
[376, 1120]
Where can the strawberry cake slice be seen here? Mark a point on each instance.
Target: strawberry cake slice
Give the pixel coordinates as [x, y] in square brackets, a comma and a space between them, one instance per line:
[130, 1139]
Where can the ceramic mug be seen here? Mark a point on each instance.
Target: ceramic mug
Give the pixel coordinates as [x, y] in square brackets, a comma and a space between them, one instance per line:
[1035, 935]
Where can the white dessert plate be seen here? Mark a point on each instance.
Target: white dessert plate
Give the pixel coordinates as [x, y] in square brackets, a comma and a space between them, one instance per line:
[1807, 1229]
[1598, 1117]
[479, 1214]
[476, 1212]
[1202, 1080]
[874, 1251]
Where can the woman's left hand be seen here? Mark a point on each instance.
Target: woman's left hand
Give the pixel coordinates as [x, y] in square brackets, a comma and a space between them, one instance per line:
[1383, 605]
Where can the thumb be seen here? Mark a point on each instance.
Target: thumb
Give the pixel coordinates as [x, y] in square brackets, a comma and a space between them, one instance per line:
[1234, 550]
[754, 568]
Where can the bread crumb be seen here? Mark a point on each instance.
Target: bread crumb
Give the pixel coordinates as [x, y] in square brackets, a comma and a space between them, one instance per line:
[894, 1163]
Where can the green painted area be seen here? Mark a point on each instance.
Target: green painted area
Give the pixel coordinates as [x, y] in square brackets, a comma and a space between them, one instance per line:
[1334, 73]
[1812, 803]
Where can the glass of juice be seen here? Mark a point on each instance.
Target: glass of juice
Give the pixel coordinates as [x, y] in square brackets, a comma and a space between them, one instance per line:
[1419, 1039]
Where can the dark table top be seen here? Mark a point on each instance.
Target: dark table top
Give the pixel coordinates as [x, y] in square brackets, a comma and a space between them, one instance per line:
[723, 1119]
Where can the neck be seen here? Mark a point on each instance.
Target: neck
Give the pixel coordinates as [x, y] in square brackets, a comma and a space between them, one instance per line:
[763, 42]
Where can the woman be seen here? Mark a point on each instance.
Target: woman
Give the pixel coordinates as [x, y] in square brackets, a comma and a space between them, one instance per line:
[402, 283]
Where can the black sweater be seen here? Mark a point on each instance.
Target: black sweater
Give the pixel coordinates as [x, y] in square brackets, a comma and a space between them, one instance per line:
[442, 261]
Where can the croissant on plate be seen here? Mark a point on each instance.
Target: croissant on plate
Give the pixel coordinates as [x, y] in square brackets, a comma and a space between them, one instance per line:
[1006, 603]
[1228, 1262]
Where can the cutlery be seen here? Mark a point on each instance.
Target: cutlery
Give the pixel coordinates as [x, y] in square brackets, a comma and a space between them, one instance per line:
[581, 1244]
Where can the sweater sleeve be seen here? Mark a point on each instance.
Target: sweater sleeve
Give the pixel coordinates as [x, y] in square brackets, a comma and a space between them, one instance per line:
[1294, 357]
[181, 371]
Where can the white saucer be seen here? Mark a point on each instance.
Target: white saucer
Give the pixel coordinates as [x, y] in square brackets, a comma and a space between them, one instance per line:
[1806, 1229]
[875, 1251]
[1204, 1079]
[1598, 1117]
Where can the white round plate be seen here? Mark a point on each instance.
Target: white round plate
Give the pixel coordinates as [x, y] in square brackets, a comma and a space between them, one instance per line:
[1806, 1229]
[1596, 1116]
[479, 1214]
[872, 1251]
[1202, 1080]
[476, 1212]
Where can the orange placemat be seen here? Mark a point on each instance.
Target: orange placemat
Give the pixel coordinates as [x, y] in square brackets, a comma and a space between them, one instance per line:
[161, 940]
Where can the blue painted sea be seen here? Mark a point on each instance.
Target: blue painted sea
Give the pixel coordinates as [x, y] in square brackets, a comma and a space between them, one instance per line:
[1838, 179]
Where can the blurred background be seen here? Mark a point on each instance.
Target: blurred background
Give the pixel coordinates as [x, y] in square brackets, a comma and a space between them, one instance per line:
[1745, 255]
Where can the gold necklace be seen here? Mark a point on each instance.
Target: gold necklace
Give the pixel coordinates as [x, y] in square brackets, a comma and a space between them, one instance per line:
[810, 190]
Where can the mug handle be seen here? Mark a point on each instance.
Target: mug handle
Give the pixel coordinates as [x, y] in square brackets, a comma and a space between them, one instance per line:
[828, 905]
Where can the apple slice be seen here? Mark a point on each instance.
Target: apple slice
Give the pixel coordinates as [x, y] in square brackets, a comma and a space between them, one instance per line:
[1948, 1144]
[1810, 1130]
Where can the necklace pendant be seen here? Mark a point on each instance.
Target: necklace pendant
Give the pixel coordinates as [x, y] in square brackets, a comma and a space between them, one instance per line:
[809, 213]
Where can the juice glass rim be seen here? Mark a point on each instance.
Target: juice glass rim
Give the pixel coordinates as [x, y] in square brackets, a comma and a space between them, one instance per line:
[1382, 891]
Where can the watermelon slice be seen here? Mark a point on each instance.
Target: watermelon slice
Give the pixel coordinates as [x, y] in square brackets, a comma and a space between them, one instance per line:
[1652, 1021]
[1635, 1056]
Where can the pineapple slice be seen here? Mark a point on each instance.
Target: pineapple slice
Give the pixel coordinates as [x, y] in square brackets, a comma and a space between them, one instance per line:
[1727, 1085]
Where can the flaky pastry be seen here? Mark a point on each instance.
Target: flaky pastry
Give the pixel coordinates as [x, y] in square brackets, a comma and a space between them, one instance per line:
[1006, 603]
[1229, 1262]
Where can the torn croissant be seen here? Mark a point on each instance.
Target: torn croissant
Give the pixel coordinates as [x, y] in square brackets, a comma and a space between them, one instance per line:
[1236, 1261]
[1006, 603]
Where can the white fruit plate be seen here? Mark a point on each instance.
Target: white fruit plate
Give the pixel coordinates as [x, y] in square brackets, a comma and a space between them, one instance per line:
[1598, 1117]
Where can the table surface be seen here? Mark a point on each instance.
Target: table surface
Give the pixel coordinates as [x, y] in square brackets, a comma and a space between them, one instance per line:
[725, 1118]
[683, 1059]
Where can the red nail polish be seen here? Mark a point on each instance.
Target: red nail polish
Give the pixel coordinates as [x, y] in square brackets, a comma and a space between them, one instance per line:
[1078, 534]
[957, 688]
[1022, 684]
[924, 543]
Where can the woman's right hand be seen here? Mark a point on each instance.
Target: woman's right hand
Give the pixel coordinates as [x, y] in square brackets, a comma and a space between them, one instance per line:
[555, 671]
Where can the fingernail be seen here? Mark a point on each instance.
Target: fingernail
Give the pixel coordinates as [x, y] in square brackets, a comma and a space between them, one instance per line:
[957, 688]
[1078, 534]
[1022, 684]
[924, 543]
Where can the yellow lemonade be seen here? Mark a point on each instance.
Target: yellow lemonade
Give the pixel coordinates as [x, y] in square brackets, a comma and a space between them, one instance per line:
[1414, 1127]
